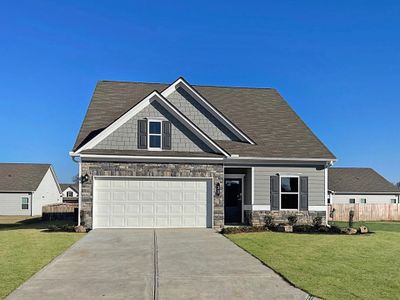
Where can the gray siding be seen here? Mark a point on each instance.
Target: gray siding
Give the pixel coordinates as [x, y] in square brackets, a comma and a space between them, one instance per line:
[125, 137]
[200, 116]
[11, 204]
[316, 183]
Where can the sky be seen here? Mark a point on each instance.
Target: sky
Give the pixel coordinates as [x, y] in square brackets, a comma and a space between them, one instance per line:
[337, 63]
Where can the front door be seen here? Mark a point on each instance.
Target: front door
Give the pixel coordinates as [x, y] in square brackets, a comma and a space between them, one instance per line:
[233, 200]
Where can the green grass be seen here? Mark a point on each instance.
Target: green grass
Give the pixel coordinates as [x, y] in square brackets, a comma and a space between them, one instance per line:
[333, 266]
[25, 247]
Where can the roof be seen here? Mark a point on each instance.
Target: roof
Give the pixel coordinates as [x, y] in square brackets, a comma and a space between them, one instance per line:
[73, 186]
[21, 177]
[261, 113]
[358, 180]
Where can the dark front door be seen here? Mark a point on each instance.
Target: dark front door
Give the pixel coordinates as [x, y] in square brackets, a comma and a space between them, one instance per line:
[233, 200]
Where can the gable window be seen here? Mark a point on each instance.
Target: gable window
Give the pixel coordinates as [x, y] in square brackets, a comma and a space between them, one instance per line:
[289, 193]
[352, 200]
[363, 200]
[25, 203]
[393, 201]
[70, 194]
[154, 134]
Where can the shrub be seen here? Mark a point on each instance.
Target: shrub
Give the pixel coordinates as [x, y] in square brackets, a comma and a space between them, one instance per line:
[351, 217]
[317, 222]
[303, 228]
[335, 229]
[65, 228]
[52, 228]
[243, 229]
[269, 221]
[292, 219]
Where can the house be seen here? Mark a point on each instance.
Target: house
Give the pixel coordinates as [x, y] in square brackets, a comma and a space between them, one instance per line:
[25, 188]
[182, 155]
[360, 185]
[70, 192]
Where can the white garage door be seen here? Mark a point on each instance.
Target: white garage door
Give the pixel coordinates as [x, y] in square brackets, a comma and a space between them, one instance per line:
[137, 202]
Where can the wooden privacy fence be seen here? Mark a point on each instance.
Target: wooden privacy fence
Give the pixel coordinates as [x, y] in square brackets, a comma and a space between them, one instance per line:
[366, 212]
[60, 211]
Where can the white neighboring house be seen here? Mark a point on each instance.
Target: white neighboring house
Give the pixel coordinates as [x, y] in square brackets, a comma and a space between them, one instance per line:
[360, 186]
[25, 188]
[69, 192]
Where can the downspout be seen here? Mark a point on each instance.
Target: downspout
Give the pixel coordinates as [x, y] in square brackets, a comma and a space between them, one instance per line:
[80, 188]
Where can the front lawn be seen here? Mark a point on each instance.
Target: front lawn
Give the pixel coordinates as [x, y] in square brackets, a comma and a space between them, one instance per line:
[25, 248]
[333, 266]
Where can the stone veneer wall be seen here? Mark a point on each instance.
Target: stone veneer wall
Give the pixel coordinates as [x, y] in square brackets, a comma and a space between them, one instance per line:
[257, 218]
[150, 169]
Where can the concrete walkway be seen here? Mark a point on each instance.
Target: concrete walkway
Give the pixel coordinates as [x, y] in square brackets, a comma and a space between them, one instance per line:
[156, 264]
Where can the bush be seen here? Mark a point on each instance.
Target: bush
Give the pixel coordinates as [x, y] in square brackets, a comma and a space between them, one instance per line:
[314, 229]
[317, 222]
[351, 217]
[269, 221]
[292, 219]
[335, 229]
[243, 229]
[52, 228]
[303, 228]
[64, 228]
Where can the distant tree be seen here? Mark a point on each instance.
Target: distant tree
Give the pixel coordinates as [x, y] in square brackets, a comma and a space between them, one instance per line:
[75, 179]
[398, 184]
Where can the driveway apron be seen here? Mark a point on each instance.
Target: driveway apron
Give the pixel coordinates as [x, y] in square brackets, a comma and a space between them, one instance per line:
[156, 264]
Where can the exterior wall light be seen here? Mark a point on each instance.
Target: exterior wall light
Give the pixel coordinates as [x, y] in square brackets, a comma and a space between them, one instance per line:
[218, 189]
[84, 178]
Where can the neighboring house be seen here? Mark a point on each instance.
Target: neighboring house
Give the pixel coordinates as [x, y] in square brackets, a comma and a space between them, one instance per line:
[181, 155]
[360, 185]
[69, 192]
[25, 188]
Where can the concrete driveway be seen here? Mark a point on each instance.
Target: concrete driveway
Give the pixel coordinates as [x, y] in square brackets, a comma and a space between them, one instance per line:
[156, 264]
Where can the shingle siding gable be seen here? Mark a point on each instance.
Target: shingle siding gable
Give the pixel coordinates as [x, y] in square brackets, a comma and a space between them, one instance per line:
[200, 116]
[125, 137]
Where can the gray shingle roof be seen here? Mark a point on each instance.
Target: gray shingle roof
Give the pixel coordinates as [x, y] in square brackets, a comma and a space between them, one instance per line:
[358, 180]
[73, 186]
[21, 177]
[261, 113]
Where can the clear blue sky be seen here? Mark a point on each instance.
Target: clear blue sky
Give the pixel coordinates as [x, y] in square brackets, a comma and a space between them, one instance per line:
[336, 62]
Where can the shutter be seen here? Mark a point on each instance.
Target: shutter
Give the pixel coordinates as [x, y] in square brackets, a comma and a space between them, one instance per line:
[166, 135]
[303, 193]
[274, 191]
[142, 134]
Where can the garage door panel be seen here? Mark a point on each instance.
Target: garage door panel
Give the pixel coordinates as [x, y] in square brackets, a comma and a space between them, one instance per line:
[131, 202]
[133, 196]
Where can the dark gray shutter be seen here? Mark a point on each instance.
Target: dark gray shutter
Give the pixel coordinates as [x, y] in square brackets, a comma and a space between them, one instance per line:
[274, 191]
[142, 134]
[303, 193]
[166, 135]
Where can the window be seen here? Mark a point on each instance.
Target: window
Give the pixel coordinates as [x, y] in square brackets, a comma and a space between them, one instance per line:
[363, 200]
[393, 201]
[70, 194]
[352, 200]
[25, 203]
[154, 138]
[289, 192]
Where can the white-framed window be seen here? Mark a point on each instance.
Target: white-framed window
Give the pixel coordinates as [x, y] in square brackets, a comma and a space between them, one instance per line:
[289, 192]
[70, 194]
[352, 200]
[25, 203]
[393, 201]
[154, 137]
[363, 200]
